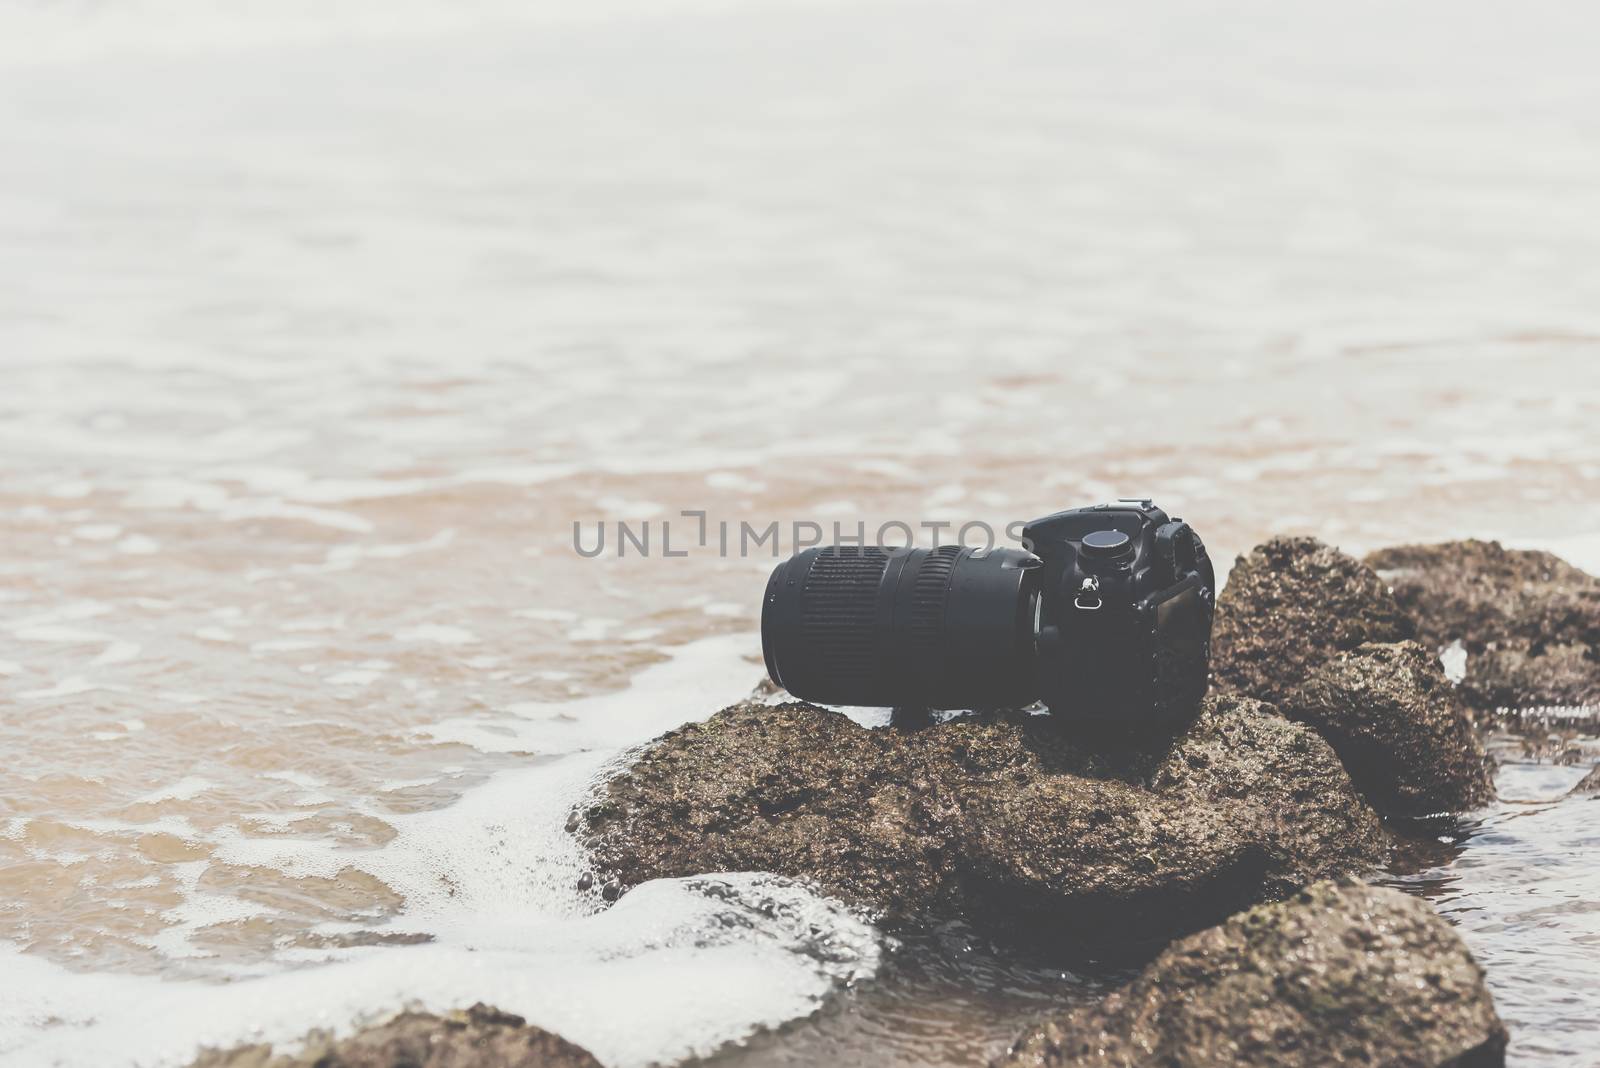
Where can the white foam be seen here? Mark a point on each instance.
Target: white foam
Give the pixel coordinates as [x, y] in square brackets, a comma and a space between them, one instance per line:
[345, 557]
[523, 475]
[393, 785]
[72, 612]
[296, 778]
[64, 635]
[176, 826]
[185, 789]
[699, 679]
[284, 645]
[302, 486]
[196, 911]
[750, 942]
[138, 545]
[547, 615]
[276, 509]
[732, 480]
[299, 625]
[118, 652]
[67, 687]
[592, 629]
[437, 633]
[275, 821]
[492, 881]
[72, 490]
[353, 677]
[96, 531]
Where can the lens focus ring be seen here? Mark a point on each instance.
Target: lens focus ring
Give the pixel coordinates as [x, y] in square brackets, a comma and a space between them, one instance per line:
[921, 665]
[836, 623]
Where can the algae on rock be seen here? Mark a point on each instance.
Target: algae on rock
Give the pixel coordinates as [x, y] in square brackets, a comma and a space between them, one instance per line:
[1002, 818]
[1341, 973]
[1290, 606]
[1399, 727]
[1528, 621]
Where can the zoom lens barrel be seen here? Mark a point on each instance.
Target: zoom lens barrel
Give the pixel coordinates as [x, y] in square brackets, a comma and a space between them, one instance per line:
[949, 627]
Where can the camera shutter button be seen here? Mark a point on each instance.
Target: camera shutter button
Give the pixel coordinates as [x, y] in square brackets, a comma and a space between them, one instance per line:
[1103, 543]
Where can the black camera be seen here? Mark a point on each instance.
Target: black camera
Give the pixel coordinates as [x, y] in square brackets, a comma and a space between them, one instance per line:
[1104, 615]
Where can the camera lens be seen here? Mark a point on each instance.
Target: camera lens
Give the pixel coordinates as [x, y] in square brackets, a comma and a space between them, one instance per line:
[950, 627]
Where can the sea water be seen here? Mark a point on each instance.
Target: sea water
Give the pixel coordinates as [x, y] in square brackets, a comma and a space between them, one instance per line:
[322, 324]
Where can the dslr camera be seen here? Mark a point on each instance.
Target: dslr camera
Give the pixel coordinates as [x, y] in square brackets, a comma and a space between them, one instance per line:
[1104, 616]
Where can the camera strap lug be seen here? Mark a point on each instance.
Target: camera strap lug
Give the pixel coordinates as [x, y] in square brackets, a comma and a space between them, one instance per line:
[1089, 589]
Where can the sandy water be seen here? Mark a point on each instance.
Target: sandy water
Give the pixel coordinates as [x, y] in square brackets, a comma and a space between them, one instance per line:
[322, 325]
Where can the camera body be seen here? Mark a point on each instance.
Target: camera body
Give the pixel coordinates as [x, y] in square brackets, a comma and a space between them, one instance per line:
[1125, 608]
[1104, 615]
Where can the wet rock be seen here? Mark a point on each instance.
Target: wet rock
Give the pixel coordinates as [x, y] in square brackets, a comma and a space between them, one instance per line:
[1339, 974]
[1529, 621]
[480, 1037]
[1399, 727]
[1290, 606]
[1001, 818]
[1589, 785]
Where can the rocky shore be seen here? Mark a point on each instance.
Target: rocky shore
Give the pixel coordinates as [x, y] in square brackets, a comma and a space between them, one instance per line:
[1396, 722]
[1331, 727]
[1528, 622]
[1289, 607]
[1340, 973]
[1000, 819]
[480, 1037]
[1006, 817]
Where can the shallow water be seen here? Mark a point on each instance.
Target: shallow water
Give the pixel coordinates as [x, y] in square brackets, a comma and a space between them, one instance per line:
[1521, 885]
[322, 324]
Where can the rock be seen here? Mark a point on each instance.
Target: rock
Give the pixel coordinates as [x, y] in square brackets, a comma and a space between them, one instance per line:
[1589, 785]
[1339, 974]
[481, 1037]
[1399, 727]
[1290, 606]
[1529, 621]
[1001, 817]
